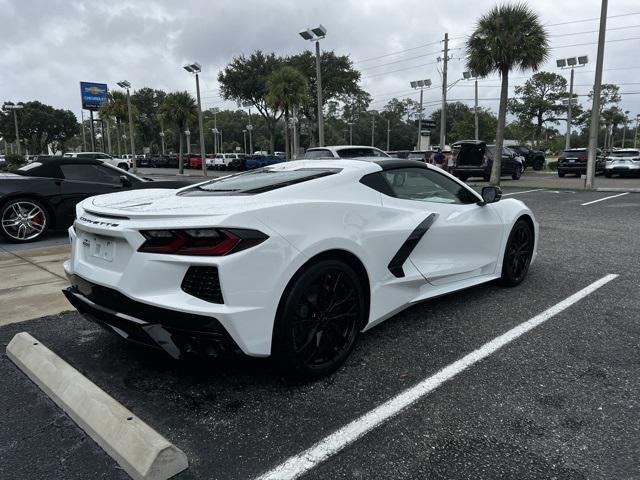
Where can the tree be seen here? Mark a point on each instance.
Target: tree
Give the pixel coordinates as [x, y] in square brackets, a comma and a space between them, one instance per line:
[245, 80]
[286, 90]
[339, 82]
[609, 99]
[509, 36]
[180, 110]
[39, 126]
[115, 108]
[540, 100]
[146, 103]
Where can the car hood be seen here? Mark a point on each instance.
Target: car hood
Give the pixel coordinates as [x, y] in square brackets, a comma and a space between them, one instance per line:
[153, 203]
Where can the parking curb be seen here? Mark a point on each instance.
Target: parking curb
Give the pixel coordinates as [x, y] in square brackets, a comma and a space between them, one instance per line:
[137, 448]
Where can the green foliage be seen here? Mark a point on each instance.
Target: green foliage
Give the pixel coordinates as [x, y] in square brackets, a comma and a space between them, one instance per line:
[180, 110]
[539, 100]
[460, 123]
[39, 125]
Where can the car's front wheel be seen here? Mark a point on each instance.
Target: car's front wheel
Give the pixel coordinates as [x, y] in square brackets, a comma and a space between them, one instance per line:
[319, 318]
[123, 166]
[23, 220]
[517, 254]
[517, 173]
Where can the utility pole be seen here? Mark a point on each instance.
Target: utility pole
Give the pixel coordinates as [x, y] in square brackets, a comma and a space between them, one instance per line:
[388, 133]
[350, 132]
[635, 135]
[595, 107]
[244, 137]
[418, 145]
[443, 115]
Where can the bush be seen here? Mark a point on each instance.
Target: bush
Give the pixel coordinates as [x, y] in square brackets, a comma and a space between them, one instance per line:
[552, 165]
[14, 161]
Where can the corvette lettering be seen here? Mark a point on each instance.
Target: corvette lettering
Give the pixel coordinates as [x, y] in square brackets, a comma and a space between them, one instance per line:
[96, 222]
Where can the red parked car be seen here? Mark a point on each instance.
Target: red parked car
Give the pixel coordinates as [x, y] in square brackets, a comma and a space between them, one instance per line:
[193, 161]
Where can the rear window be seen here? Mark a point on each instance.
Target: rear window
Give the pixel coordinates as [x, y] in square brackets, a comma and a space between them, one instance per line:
[258, 181]
[360, 152]
[320, 153]
[625, 153]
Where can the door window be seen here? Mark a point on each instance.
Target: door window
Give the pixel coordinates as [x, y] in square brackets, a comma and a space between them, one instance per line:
[426, 185]
[90, 173]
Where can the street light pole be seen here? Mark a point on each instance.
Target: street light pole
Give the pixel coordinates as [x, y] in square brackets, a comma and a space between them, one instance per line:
[373, 130]
[162, 141]
[595, 108]
[15, 122]
[84, 135]
[420, 84]
[571, 63]
[635, 135]
[388, 132]
[443, 114]
[350, 133]
[317, 34]
[244, 137]
[195, 68]
[126, 85]
[475, 111]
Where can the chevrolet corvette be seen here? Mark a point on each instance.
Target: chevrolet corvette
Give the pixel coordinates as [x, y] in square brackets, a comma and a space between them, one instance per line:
[293, 260]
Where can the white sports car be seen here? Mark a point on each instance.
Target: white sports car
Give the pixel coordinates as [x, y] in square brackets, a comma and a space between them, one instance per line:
[292, 260]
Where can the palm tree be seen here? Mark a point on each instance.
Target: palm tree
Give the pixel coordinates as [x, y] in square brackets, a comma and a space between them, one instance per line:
[115, 107]
[180, 109]
[508, 36]
[286, 90]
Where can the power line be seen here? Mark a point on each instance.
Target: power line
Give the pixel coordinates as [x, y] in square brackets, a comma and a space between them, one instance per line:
[595, 43]
[399, 70]
[400, 61]
[397, 52]
[593, 31]
[591, 19]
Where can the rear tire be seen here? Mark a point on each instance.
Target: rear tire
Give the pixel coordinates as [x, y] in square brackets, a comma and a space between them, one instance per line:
[608, 174]
[123, 166]
[517, 254]
[319, 319]
[561, 174]
[23, 220]
[538, 164]
[517, 173]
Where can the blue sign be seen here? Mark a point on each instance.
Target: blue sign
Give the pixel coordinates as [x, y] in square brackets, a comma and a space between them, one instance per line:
[93, 95]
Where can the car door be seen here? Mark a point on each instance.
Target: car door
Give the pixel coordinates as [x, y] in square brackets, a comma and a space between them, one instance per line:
[82, 180]
[459, 239]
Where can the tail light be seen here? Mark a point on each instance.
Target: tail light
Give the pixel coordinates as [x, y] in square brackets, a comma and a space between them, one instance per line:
[205, 242]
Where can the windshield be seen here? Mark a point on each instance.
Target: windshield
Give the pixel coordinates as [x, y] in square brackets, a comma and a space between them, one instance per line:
[259, 181]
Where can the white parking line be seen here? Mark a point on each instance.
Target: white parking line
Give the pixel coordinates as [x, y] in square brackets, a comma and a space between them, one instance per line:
[525, 191]
[603, 199]
[334, 443]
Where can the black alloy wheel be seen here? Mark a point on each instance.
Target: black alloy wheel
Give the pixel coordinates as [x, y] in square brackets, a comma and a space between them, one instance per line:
[319, 320]
[518, 253]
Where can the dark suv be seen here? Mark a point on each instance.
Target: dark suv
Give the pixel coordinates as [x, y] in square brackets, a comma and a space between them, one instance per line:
[574, 161]
[475, 159]
[532, 158]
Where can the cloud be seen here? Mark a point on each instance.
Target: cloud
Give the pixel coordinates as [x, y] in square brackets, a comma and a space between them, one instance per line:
[51, 45]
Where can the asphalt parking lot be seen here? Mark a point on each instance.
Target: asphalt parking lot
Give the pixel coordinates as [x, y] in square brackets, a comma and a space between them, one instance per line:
[560, 402]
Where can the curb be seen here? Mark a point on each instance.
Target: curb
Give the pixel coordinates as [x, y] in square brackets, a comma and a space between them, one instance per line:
[137, 448]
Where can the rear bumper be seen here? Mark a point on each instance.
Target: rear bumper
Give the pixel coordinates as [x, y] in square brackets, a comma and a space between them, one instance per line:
[177, 333]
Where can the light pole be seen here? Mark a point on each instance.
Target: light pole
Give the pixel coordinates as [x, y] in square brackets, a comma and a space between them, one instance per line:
[187, 133]
[564, 64]
[316, 34]
[373, 127]
[250, 128]
[388, 132]
[469, 76]
[443, 116]
[215, 140]
[415, 85]
[15, 122]
[350, 132]
[635, 135]
[244, 138]
[196, 69]
[162, 141]
[624, 128]
[126, 85]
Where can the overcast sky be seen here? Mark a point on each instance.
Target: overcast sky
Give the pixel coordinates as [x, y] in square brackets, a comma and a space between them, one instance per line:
[51, 45]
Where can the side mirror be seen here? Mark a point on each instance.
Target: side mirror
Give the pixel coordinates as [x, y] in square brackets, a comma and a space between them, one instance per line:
[490, 195]
[124, 180]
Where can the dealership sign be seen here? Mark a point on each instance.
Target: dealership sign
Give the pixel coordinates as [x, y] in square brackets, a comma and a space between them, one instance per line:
[93, 95]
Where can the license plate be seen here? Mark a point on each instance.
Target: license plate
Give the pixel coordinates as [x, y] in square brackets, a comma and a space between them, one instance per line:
[572, 161]
[103, 248]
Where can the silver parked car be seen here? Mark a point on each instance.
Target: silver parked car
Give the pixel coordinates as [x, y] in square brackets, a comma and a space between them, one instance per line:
[624, 161]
